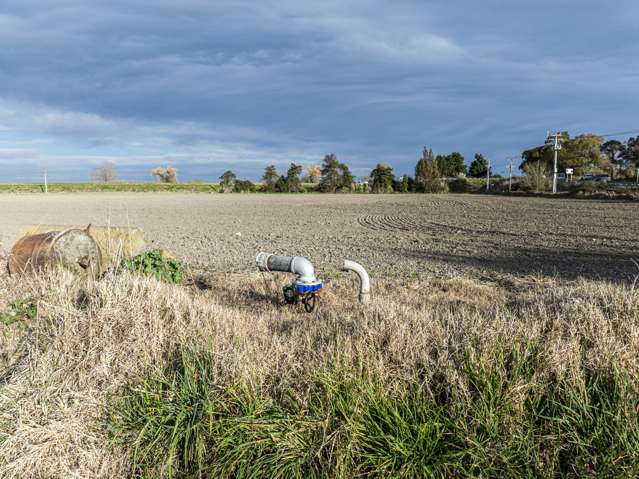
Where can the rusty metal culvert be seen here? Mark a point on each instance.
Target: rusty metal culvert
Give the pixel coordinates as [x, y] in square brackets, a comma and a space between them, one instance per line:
[74, 249]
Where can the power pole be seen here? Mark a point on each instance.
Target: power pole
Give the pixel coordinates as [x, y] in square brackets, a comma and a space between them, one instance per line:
[555, 140]
[510, 173]
[488, 177]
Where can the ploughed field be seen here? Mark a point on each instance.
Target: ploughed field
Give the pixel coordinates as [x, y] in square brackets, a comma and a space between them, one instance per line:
[440, 235]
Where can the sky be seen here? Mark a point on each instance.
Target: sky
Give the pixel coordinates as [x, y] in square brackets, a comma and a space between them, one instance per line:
[211, 85]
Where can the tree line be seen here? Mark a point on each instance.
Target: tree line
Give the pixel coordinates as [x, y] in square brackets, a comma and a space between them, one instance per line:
[334, 176]
[585, 153]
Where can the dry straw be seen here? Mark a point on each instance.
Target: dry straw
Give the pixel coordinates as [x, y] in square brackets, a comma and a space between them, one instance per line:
[90, 340]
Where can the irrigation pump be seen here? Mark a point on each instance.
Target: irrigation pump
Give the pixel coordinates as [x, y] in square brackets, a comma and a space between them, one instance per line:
[305, 288]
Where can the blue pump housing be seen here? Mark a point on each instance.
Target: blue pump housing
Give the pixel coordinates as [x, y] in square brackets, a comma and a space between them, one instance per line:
[308, 287]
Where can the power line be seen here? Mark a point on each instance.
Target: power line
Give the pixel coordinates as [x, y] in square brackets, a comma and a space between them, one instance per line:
[629, 132]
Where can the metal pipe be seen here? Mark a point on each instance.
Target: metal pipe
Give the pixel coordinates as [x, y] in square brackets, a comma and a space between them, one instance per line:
[297, 265]
[364, 280]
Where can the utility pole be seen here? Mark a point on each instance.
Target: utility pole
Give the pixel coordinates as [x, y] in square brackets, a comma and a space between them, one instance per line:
[555, 140]
[46, 183]
[510, 173]
[488, 177]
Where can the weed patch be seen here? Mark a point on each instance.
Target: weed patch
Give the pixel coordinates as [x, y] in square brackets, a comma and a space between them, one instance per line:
[157, 264]
[21, 312]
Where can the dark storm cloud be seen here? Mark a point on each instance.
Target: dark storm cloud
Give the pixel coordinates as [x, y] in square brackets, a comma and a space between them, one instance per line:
[207, 85]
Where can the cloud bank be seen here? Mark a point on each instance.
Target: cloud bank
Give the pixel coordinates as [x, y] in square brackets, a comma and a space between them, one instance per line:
[207, 86]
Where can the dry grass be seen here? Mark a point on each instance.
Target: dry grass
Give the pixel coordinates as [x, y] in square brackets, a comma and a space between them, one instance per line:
[90, 340]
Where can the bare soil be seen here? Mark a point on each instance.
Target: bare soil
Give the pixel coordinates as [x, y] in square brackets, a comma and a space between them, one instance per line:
[441, 235]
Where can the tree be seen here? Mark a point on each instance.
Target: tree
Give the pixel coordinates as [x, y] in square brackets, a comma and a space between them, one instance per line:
[165, 175]
[281, 186]
[335, 175]
[539, 154]
[382, 178]
[347, 177]
[227, 179]
[405, 185]
[631, 152]
[314, 174]
[105, 173]
[428, 179]
[270, 178]
[331, 179]
[479, 166]
[451, 165]
[582, 153]
[421, 169]
[613, 150]
[293, 178]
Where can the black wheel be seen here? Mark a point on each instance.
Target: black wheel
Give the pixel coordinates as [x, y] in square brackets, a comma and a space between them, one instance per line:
[290, 295]
[310, 302]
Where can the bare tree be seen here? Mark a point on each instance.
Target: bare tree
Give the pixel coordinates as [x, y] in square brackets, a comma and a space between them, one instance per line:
[165, 175]
[105, 173]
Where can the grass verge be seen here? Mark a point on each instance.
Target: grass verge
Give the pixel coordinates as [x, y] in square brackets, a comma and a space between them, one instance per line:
[116, 186]
[128, 376]
[500, 423]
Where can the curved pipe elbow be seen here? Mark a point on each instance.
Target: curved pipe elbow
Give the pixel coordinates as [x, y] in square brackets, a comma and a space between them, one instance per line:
[304, 269]
[298, 265]
[364, 280]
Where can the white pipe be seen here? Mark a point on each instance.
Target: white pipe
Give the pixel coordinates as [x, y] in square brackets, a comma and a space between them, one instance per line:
[364, 280]
[297, 265]
[304, 269]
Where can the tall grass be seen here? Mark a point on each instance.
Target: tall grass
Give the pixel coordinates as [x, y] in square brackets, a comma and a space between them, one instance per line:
[126, 375]
[499, 421]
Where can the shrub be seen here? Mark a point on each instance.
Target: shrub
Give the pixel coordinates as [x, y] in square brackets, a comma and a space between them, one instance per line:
[435, 185]
[536, 177]
[156, 263]
[592, 187]
[459, 185]
[243, 186]
[281, 186]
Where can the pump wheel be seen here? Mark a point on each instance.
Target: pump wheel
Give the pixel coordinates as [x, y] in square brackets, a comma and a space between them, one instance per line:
[290, 294]
[310, 302]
